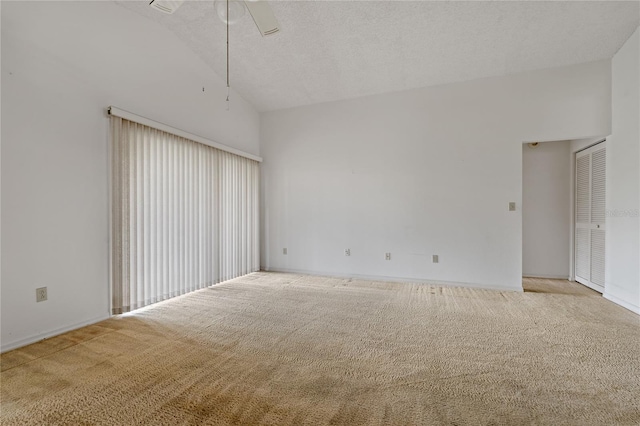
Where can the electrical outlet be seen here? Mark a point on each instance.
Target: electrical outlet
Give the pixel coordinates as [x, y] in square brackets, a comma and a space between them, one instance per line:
[41, 294]
[347, 252]
[512, 206]
[387, 256]
[434, 258]
[284, 251]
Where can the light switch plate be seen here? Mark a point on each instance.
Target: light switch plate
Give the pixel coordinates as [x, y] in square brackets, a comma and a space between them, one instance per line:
[512, 206]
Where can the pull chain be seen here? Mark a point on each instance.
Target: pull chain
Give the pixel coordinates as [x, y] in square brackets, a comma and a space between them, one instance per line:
[227, 55]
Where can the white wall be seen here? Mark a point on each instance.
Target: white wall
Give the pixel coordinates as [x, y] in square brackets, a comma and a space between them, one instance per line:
[622, 280]
[63, 63]
[417, 173]
[546, 210]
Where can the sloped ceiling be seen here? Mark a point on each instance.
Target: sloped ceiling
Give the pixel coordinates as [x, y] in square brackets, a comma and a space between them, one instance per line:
[331, 50]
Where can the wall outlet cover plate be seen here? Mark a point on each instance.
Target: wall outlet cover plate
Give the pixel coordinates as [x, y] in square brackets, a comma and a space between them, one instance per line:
[41, 294]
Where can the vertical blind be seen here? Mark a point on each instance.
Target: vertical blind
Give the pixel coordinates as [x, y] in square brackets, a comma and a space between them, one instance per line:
[185, 215]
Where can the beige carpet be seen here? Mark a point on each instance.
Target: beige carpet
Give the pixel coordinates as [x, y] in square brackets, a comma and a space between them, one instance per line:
[287, 349]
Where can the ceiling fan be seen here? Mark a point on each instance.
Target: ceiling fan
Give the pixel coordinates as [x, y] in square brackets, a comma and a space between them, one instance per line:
[260, 11]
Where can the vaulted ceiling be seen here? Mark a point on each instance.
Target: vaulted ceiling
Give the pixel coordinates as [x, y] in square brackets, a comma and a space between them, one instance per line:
[331, 50]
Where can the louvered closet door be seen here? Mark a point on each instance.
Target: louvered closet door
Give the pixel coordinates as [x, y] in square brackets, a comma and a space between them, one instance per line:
[590, 216]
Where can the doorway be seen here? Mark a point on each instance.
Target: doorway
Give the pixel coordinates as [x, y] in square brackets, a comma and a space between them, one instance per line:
[546, 210]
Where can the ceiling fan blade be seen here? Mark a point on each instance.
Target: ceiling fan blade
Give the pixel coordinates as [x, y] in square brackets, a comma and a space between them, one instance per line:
[263, 17]
[166, 6]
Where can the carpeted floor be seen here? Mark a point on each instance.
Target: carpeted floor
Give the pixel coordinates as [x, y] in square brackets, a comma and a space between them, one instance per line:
[287, 349]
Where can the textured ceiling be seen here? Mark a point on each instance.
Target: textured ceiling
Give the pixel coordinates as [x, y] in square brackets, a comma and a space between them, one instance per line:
[330, 50]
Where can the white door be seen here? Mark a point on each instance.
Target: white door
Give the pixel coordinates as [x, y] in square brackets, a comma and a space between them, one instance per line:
[591, 170]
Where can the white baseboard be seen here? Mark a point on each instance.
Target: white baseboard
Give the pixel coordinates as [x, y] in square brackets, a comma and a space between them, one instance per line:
[630, 306]
[394, 279]
[41, 336]
[548, 277]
